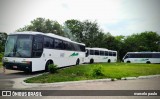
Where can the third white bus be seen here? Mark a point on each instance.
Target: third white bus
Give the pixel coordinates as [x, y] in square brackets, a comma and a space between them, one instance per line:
[142, 57]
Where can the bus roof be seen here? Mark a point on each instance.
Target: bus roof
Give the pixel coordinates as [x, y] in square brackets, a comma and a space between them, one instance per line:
[140, 52]
[26, 32]
[47, 34]
[102, 49]
[96, 48]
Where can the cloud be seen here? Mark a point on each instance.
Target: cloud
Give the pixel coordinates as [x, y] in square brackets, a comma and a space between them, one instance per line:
[119, 17]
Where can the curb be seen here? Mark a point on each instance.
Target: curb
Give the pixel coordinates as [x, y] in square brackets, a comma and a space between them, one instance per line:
[56, 84]
[19, 83]
[149, 76]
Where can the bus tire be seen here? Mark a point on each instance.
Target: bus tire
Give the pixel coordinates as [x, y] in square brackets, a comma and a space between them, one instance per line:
[78, 61]
[109, 61]
[148, 62]
[47, 64]
[91, 61]
[128, 62]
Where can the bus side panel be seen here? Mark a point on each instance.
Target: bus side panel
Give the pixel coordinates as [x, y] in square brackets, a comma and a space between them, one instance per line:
[57, 56]
[64, 58]
[142, 60]
[154, 60]
[38, 64]
[113, 59]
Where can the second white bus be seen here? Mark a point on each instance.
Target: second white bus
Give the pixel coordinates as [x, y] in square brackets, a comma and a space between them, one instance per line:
[94, 55]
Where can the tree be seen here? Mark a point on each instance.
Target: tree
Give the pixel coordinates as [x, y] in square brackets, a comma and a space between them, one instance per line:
[85, 32]
[148, 41]
[3, 38]
[92, 33]
[74, 30]
[44, 25]
[145, 41]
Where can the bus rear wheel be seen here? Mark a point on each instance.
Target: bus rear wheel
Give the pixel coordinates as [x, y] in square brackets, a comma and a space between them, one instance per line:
[91, 61]
[77, 62]
[47, 64]
[109, 61]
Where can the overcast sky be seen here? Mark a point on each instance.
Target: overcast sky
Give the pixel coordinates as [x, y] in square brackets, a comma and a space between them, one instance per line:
[119, 17]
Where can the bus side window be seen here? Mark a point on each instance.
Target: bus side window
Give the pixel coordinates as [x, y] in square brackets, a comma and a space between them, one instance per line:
[102, 53]
[156, 55]
[58, 44]
[96, 52]
[106, 53]
[37, 46]
[38, 43]
[82, 48]
[91, 52]
[114, 53]
[110, 53]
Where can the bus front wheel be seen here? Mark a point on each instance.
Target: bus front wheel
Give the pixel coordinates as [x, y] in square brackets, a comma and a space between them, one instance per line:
[128, 62]
[47, 64]
[148, 62]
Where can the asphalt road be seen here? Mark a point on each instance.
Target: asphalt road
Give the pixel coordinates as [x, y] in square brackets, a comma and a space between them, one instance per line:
[6, 78]
[138, 84]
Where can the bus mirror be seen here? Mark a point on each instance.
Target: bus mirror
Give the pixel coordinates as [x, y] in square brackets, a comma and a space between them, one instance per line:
[87, 54]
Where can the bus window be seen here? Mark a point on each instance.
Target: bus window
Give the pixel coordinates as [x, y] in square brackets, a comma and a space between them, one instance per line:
[91, 52]
[72, 47]
[37, 46]
[156, 55]
[82, 48]
[102, 53]
[96, 52]
[58, 44]
[114, 53]
[110, 53]
[48, 42]
[106, 53]
[76, 47]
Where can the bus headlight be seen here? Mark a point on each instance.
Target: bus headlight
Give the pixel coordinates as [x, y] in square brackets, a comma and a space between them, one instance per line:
[26, 62]
[4, 60]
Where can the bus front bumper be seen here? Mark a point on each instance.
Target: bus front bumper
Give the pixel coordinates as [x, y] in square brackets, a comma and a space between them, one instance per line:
[18, 66]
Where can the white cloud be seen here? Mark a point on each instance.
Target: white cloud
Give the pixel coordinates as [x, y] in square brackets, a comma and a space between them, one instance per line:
[119, 17]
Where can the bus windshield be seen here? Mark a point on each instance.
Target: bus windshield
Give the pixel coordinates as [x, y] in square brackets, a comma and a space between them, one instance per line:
[18, 46]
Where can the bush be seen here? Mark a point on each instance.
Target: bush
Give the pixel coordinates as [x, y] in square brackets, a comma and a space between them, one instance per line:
[52, 68]
[97, 71]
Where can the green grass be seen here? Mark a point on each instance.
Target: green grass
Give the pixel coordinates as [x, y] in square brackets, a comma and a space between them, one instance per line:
[109, 70]
[0, 64]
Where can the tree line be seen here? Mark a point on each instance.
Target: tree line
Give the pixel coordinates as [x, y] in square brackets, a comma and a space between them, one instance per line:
[89, 32]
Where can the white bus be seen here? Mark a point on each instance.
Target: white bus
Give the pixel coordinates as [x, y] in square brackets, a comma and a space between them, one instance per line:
[142, 57]
[100, 55]
[34, 51]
